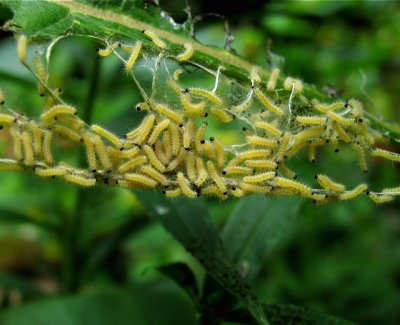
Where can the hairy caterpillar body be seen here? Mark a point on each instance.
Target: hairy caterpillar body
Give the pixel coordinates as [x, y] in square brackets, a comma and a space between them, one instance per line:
[90, 152]
[190, 166]
[67, 132]
[102, 153]
[271, 129]
[2, 97]
[37, 137]
[262, 163]
[284, 143]
[261, 141]
[46, 149]
[173, 193]
[133, 57]
[80, 180]
[155, 39]
[141, 180]
[348, 195]
[271, 84]
[254, 188]
[223, 116]
[107, 51]
[215, 176]
[186, 54]
[324, 108]
[201, 172]
[106, 134]
[7, 119]
[155, 174]
[17, 144]
[175, 138]
[52, 112]
[10, 165]
[41, 73]
[385, 154]
[144, 129]
[380, 198]
[290, 82]
[297, 186]
[177, 161]
[313, 120]
[51, 172]
[21, 48]
[259, 178]
[184, 186]
[132, 163]
[199, 137]
[329, 184]
[267, 102]
[236, 170]
[340, 119]
[341, 132]
[164, 109]
[158, 129]
[205, 94]
[153, 158]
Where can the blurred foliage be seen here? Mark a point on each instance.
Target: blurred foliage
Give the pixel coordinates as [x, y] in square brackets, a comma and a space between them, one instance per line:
[97, 257]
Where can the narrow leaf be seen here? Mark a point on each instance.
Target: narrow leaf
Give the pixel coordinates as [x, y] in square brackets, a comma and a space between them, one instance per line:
[291, 314]
[188, 221]
[255, 227]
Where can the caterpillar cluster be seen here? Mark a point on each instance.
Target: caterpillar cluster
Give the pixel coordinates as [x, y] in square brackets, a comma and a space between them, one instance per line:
[172, 148]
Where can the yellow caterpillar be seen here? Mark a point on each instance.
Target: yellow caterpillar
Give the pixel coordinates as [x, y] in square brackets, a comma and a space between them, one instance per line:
[271, 84]
[158, 129]
[141, 180]
[259, 178]
[133, 57]
[205, 94]
[287, 183]
[131, 164]
[268, 103]
[186, 54]
[106, 134]
[184, 186]
[80, 180]
[57, 110]
[348, 195]
[329, 184]
[153, 158]
[155, 39]
[21, 48]
[41, 73]
[385, 154]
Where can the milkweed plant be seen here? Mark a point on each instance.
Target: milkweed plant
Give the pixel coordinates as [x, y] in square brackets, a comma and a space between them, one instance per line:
[273, 120]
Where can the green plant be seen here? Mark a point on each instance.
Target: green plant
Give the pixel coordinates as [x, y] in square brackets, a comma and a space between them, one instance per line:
[170, 148]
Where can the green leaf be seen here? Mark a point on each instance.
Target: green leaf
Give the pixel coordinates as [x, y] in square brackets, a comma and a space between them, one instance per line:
[291, 314]
[159, 302]
[188, 221]
[43, 20]
[184, 277]
[40, 18]
[255, 227]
